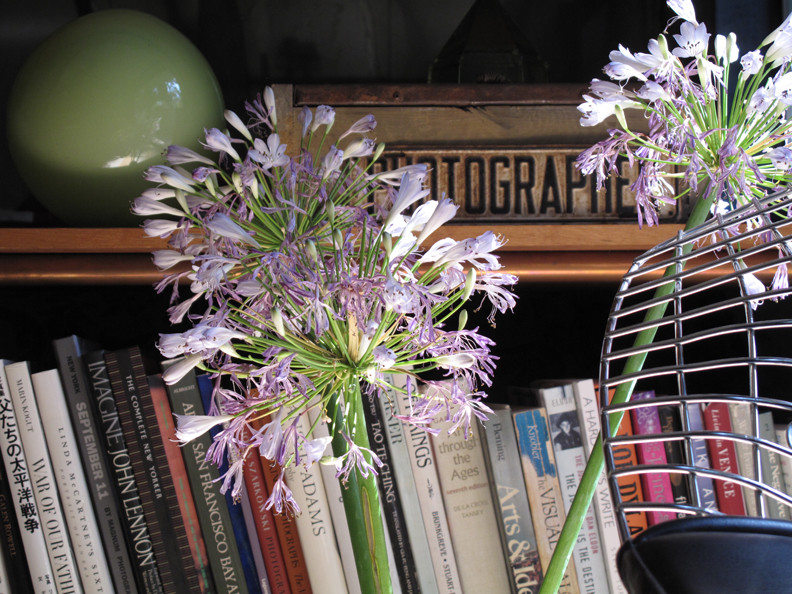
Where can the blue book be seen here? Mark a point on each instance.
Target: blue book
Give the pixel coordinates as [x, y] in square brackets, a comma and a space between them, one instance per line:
[237, 517]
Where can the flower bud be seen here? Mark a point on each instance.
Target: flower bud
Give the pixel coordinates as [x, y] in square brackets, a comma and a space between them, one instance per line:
[277, 321]
[330, 210]
[463, 318]
[470, 280]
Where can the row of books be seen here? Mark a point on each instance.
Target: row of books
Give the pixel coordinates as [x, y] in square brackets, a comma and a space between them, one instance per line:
[96, 496]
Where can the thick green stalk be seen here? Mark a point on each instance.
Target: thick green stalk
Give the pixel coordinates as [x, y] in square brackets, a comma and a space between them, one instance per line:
[596, 462]
[360, 495]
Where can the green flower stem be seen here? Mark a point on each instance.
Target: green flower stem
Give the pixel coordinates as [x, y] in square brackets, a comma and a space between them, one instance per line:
[360, 495]
[596, 462]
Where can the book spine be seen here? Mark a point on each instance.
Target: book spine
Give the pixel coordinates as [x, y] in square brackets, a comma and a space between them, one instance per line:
[133, 519]
[408, 492]
[705, 486]
[72, 483]
[336, 505]
[433, 510]
[390, 497]
[784, 459]
[129, 381]
[315, 525]
[723, 456]
[265, 524]
[671, 423]
[508, 489]
[586, 400]
[224, 559]
[772, 474]
[559, 402]
[630, 488]
[470, 510]
[23, 503]
[69, 354]
[656, 485]
[291, 548]
[543, 487]
[256, 554]
[741, 420]
[234, 510]
[42, 475]
[15, 576]
[189, 515]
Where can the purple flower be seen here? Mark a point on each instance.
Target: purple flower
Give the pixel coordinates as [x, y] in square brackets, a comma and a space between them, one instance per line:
[281, 498]
[355, 460]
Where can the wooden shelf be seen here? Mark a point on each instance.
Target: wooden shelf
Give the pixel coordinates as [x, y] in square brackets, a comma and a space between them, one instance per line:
[536, 253]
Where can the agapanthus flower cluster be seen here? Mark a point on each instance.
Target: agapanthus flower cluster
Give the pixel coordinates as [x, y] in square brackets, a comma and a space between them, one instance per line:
[717, 125]
[302, 287]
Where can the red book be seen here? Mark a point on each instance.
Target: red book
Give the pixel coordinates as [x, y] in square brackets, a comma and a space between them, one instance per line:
[656, 485]
[723, 457]
[268, 540]
[162, 408]
[630, 488]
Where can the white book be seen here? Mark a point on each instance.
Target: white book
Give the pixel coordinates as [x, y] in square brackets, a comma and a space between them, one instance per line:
[315, 525]
[559, 402]
[71, 482]
[338, 514]
[42, 476]
[430, 497]
[25, 507]
[589, 415]
[401, 468]
[470, 509]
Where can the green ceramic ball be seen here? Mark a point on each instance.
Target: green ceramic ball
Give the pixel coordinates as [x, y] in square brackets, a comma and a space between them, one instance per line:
[97, 103]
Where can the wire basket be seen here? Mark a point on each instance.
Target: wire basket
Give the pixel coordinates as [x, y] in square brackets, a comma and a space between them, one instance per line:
[709, 407]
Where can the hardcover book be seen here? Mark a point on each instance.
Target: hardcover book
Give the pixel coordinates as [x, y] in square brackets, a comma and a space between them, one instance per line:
[541, 483]
[15, 464]
[705, 486]
[656, 485]
[69, 352]
[772, 473]
[723, 456]
[178, 471]
[433, 510]
[671, 422]
[508, 488]
[42, 477]
[224, 559]
[740, 418]
[625, 456]
[71, 483]
[470, 510]
[14, 575]
[129, 381]
[570, 456]
[133, 519]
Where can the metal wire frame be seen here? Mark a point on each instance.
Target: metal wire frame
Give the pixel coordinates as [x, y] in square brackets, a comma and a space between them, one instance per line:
[716, 341]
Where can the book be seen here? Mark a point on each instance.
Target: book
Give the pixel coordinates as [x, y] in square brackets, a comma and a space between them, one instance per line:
[14, 574]
[71, 483]
[178, 471]
[42, 477]
[671, 423]
[507, 481]
[785, 459]
[234, 508]
[541, 484]
[215, 520]
[433, 511]
[625, 456]
[315, 525]
[401, 468]
[129, 381]
[15, 465]
[587, 403]
[69, 352]
[656, 485]
[133, 520]
[336, 505]
[772, 474]
[723, 456]
[291, 548]
[705, 486]
[390, 498]
[256, 553]
[740, 416]
[267, 536]
[470, 509]
[570, 457]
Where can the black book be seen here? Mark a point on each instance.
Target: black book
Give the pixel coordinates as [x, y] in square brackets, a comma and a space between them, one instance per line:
[11, 546]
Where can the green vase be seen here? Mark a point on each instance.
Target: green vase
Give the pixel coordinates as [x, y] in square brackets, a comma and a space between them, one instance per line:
[97, 103]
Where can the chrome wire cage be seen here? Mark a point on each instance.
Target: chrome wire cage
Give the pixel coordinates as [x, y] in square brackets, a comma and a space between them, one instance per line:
[722, 352]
